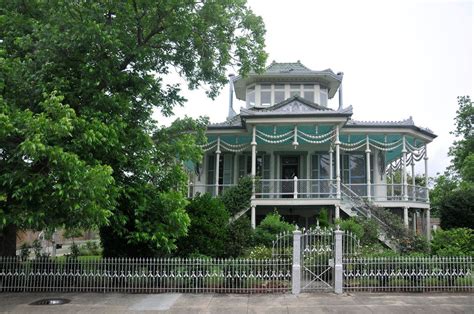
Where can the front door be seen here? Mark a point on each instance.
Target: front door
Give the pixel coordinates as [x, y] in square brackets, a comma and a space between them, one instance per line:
[289, 170]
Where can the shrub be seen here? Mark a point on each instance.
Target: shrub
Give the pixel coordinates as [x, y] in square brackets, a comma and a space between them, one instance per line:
[24, 251]
[352, 226]
[323, 218]
[239, 238]
[453, 242]
[259, 252]
[457, 208]
[237, 198]
[269, 228]
[207, 233]
[411, 244]
[74, 250]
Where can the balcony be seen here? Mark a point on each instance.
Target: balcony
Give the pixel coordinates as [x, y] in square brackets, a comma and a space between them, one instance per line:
[323, 189]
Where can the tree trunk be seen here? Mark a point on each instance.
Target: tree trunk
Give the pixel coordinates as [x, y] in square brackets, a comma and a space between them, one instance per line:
[8, 240]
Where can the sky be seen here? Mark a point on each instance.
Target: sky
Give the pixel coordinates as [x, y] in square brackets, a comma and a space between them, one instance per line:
[399, 58]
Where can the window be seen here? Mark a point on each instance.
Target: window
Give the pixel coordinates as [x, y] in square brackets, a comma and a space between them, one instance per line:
[279, 93]
[250, 96]
[295, 90]
[308, 92]
[263, 165]
[323, 97]
[266, 95]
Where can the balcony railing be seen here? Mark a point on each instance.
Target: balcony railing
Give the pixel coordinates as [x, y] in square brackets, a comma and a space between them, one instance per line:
[295, 188]
[320, 189]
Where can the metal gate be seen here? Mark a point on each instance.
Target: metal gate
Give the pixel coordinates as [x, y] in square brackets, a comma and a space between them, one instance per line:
[317, 260]
[316, 256]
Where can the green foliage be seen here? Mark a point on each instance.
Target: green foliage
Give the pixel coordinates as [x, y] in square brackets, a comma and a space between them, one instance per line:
[24, 251]
[36, 246]
[269, 228]
[74, 250]
[351, 225]
[323, 218]
[79, 82]
[237, 198]
[457, 207]
[239, 237]
[72, 233]
[453, 242]
[259, 252]
[207, 233]
[462, 150]
[371, 231]
[411, 244]
[453, 193]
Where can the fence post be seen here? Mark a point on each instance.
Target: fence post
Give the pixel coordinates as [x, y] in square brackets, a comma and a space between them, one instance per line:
[296, 271]
[338, 261]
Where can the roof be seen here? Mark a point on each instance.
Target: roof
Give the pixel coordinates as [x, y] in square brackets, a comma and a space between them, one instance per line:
[389, 124]
[288, 67]
[294, 106]
[288, 72]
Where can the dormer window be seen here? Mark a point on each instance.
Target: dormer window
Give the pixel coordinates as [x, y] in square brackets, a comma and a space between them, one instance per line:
[308, 92]
[266, 95]
[279, 93]
[323, 97]
[295, 90]
[250, 96]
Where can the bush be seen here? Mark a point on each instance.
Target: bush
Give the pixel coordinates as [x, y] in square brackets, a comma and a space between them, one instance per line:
[24, 251]
[352, 226]
[237, 198]
[323, 218]
[207, 234]
[259, 252]
[411, 244]
[239, 238]
[269, 228]
[457, 208]
[453, 242]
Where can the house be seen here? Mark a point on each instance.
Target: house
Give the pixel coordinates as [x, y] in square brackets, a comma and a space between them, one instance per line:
[308, 156]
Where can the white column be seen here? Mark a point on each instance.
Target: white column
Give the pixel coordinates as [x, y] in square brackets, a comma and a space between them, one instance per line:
[337, 212]
[413, 182]
[338, 166]
[331, 174]
[426, 174]
[295, 187]
[236, 168]
[254, 158]
[218, 156]
[428, 224]
[296, 271]
[405, 216]
[367, 157]
[253, 218]
[338, 270]
[404, 170]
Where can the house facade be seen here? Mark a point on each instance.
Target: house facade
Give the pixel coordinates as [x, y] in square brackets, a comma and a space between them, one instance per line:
[306, 156]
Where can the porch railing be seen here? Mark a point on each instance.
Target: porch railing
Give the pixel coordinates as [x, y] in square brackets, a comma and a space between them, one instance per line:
[295, 188]
[319, 189]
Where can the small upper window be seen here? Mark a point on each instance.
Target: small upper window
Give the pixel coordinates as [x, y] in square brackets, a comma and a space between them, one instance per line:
[323, 97]
[250, 96]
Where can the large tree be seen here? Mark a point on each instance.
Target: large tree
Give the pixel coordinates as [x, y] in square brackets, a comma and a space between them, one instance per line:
[79, 81]
[453, 193]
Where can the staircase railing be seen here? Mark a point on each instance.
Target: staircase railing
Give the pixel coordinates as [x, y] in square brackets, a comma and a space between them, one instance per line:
[366, 209]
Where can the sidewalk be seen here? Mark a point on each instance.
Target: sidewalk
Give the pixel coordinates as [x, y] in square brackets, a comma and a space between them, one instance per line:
[231, 303]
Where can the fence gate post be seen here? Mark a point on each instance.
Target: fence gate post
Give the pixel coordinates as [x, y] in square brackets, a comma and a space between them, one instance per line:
[296, 271]
[338, 261]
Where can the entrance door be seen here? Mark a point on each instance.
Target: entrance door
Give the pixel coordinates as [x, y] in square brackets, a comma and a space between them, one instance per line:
[289, 170]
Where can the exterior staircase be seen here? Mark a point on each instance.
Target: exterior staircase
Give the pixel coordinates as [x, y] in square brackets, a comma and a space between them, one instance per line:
[355, 206]
[238, 215]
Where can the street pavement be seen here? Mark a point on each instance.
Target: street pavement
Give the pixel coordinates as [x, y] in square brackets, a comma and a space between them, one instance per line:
[432, 303]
